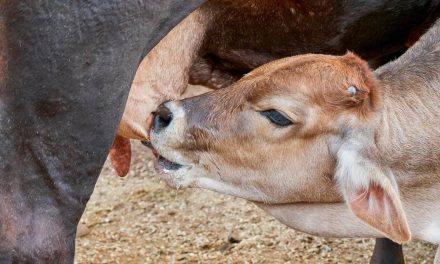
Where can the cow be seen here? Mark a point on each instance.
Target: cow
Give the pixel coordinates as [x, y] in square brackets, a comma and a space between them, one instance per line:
[65, 72]
[321, 142]
[223, 40]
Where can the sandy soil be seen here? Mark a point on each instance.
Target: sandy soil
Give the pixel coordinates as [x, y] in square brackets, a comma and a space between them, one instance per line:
[138, 219]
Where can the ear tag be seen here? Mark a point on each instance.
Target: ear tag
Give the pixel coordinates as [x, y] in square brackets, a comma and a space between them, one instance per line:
[352, 90]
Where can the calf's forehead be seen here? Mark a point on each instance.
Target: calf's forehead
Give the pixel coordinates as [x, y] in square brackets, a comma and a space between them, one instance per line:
[298, 74]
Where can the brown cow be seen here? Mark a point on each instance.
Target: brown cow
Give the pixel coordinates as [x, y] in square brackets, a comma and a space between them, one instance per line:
[302, 134]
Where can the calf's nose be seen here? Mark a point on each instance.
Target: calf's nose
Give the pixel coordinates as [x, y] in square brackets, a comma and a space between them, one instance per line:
[162, 118]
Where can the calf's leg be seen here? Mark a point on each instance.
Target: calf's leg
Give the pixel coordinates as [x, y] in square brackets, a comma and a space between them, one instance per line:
[387, 252]
[437, 256]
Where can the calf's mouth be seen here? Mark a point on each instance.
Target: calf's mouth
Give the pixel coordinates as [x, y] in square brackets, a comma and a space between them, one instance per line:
[163, 164]
[166, 165]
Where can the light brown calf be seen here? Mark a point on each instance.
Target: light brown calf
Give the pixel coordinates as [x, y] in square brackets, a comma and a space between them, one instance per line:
[303, 134]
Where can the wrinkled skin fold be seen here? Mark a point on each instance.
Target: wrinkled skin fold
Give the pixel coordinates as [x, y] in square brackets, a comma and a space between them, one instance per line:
[65, 73]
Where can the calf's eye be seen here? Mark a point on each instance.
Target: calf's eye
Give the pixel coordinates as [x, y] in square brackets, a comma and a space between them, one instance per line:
[276, 118]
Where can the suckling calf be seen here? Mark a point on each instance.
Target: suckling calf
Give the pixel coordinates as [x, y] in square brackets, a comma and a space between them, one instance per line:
[321, 142]
[223, 40]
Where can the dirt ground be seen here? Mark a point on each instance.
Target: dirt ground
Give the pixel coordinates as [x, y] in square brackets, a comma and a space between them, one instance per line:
[138, 219]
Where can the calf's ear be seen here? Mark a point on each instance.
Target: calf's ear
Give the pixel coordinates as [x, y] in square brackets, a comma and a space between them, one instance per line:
[371, 196]
[363, 90]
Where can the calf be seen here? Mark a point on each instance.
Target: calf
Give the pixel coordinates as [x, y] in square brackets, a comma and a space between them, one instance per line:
[223, 40]
[301, 135]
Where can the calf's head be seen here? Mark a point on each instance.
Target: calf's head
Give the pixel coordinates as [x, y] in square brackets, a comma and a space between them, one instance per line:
[295, 130]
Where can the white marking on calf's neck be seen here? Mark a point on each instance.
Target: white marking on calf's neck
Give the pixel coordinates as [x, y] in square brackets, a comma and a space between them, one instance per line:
[431, 232]
[218, 186]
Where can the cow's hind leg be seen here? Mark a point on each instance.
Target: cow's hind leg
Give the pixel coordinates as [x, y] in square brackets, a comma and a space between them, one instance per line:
[387, 252]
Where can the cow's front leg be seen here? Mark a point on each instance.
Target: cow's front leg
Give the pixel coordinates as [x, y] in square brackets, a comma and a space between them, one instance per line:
[387, 252]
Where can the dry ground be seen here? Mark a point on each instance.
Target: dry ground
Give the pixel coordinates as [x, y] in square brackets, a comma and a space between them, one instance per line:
[138, 219]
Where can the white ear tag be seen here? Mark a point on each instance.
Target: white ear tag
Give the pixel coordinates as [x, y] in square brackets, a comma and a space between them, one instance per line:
[352, 90]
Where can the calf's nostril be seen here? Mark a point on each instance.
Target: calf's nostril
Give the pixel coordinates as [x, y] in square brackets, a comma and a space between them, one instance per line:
[162, 118]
